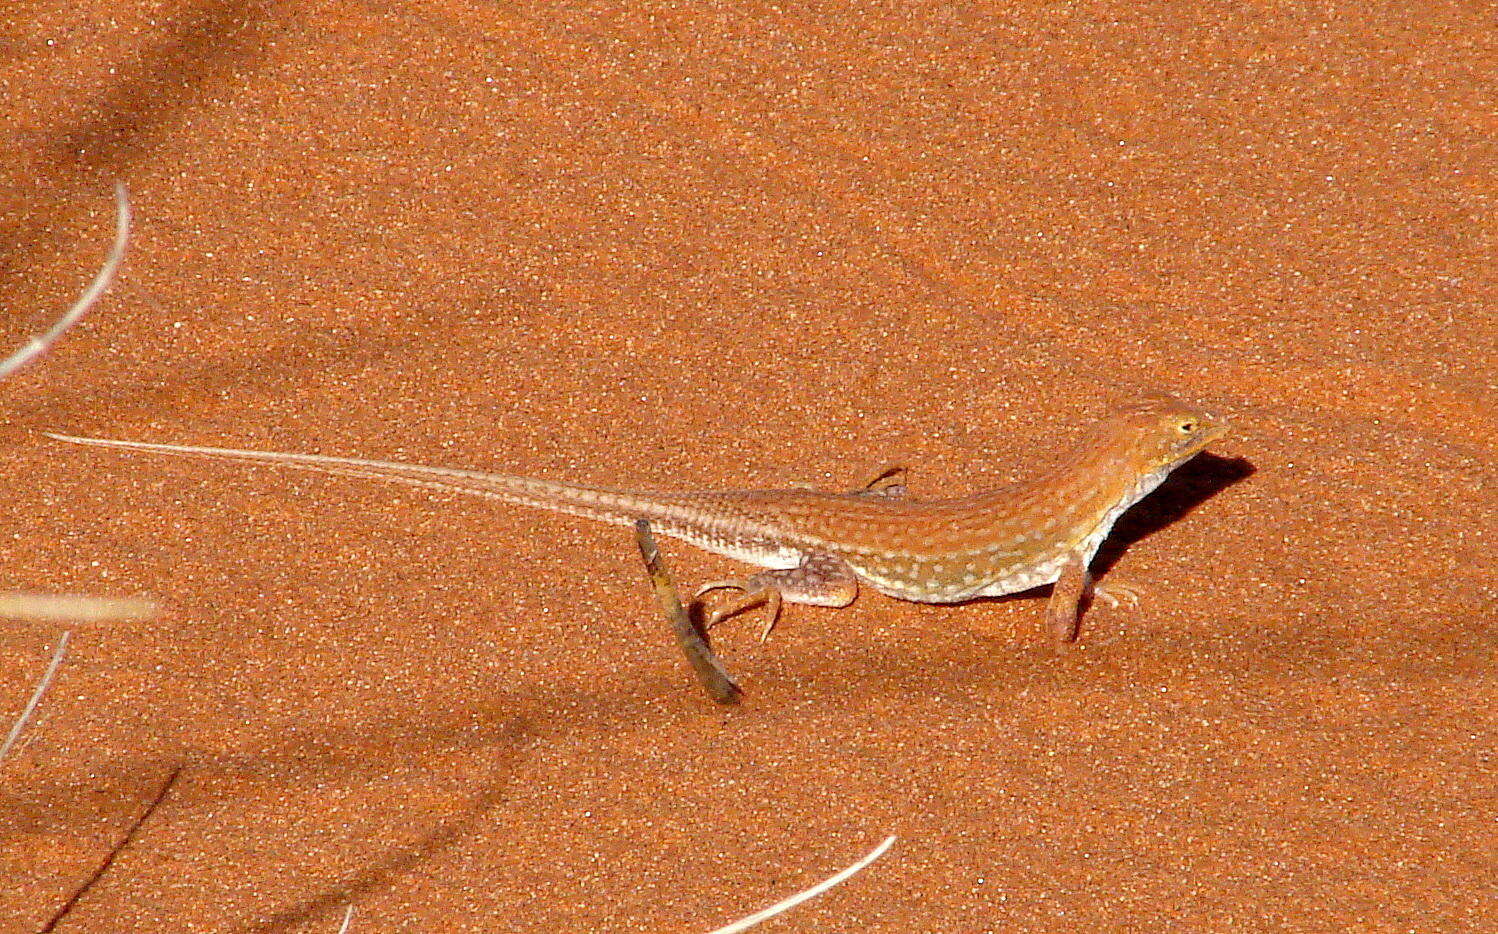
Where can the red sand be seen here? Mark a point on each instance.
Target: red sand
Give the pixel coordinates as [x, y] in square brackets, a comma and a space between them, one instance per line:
[640, 244]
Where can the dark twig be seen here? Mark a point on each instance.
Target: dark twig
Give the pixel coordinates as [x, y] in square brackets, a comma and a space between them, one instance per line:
[119, 848]
[691, 639]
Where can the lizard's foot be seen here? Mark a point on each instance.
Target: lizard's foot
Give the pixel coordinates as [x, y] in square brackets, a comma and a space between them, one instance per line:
[894, 489]
[753, 593]
[1115, 592]
[819, 580]
[876, 485]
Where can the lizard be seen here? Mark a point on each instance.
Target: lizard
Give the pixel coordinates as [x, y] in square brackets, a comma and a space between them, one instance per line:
[818, 548]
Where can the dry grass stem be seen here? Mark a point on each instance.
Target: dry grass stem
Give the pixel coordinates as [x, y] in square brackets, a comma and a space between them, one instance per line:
[36, 696]
[70, 608]
[101, 282]
[813, 892]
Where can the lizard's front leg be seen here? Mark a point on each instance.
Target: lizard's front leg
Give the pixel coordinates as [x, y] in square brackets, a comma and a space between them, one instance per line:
[819, 580]
[883, 483]
[893, 489]
[1075, 587]
[1066, 601]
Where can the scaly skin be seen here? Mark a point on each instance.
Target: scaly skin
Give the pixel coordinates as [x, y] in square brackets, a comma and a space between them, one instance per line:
[820, 546]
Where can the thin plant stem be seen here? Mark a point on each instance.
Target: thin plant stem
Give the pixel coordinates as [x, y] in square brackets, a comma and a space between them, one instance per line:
[101, 282]
[789, 903]
[36, 696]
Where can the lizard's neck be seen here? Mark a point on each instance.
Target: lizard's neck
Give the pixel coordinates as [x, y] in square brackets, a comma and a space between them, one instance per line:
[1081, 496]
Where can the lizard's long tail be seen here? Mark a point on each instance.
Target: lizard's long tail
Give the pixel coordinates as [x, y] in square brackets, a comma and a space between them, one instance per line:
[605, 505]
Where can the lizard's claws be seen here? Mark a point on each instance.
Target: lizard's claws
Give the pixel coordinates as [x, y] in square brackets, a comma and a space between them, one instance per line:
[1115, 593]
[754, 593]
[894, 489]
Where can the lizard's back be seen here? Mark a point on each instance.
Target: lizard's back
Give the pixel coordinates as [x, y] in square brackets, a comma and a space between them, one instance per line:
[945, 550]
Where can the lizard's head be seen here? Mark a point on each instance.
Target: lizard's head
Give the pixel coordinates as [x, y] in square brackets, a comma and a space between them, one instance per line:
[1162, 433]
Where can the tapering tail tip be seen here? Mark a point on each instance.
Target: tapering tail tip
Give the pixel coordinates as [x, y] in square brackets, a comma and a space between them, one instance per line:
[78, 439]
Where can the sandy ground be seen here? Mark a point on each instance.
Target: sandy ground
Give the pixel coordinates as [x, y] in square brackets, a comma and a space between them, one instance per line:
[733, 245]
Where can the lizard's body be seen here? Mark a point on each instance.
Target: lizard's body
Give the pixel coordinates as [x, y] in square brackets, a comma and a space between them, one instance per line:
[819, 546]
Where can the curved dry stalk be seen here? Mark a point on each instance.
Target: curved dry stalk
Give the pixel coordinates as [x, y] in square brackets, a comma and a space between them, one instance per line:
[348, 916]
[36, 696]
[71, 608]
[789, 903]
[101, 282]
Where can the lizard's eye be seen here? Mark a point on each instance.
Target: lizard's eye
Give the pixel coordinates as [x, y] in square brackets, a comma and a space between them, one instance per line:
[1187, 427]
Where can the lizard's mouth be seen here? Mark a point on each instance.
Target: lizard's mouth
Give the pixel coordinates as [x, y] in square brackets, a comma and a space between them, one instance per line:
[1209, 433]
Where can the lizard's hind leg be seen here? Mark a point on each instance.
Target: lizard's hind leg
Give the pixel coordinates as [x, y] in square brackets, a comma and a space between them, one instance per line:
[819, 580]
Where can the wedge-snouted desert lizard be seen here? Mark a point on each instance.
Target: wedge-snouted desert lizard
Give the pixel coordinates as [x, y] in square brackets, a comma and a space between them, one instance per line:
[818, 546]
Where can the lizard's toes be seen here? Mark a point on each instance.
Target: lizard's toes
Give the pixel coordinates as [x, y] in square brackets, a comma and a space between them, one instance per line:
[754, 593]
[710, 586]
[1115, 592]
